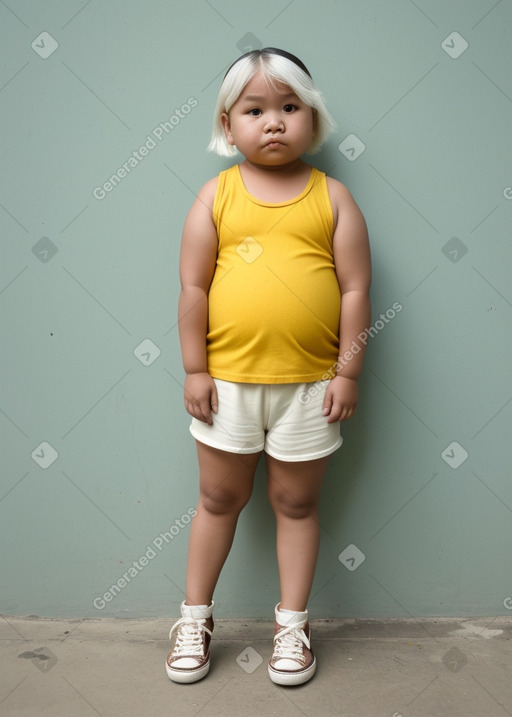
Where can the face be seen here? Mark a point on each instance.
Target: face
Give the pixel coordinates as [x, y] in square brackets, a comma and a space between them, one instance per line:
[269, 126]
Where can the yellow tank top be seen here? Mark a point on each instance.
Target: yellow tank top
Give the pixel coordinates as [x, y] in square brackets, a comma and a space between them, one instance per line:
[274, 302]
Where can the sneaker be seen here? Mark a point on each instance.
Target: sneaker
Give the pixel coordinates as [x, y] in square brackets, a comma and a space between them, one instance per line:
[293, 661]
[189, 660]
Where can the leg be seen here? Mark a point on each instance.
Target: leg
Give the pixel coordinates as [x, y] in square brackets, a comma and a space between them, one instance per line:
[294, 491]
[226, 481]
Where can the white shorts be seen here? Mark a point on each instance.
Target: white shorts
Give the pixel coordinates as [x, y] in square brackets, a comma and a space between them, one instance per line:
[285, 420]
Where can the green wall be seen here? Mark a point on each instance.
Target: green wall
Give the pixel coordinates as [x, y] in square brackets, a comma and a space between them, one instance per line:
[99, 470]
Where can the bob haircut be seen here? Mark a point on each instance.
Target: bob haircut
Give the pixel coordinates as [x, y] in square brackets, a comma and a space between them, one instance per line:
[275, 66]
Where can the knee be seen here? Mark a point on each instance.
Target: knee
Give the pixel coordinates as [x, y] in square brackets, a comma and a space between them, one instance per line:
[219, 502]
[290, 506]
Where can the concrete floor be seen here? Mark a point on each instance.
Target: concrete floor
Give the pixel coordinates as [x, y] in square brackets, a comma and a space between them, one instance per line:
[366, 668]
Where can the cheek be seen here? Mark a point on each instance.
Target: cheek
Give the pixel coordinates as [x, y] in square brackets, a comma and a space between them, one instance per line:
[307, 129]
[249, 130]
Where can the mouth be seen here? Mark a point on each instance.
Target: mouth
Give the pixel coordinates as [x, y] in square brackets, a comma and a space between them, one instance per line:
[274, 144]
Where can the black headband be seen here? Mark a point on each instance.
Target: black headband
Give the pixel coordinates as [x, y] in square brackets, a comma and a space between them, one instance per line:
[273, 51]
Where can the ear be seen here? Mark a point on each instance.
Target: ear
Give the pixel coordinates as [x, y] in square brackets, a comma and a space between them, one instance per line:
[226, 126]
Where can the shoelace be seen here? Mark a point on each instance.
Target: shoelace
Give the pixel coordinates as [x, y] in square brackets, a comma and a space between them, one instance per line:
[288, 644]
[189, 639]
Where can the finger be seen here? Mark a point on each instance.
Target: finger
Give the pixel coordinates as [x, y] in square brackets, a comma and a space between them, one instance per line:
[347, 413]
[206, 411]
[214, 400]
[194, 409]
[191, 409]
[335, 412]
[327, 404]
[343, 415]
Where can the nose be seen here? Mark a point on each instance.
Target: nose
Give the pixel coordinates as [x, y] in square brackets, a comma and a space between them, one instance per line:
[274, 123]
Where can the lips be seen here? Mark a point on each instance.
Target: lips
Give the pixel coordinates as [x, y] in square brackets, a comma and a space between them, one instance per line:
[274, 143]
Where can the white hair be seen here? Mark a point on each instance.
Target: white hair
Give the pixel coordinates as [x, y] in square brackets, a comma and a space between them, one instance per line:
[274, 67]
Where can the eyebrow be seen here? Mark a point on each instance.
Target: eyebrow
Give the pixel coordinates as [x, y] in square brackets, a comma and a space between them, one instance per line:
[259, 98]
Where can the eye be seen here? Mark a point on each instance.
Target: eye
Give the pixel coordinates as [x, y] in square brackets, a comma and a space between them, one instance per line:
[255, 112]
[290, 108]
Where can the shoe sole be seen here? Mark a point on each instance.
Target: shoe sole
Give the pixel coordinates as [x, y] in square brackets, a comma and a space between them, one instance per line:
[292, 678]
[187, 676]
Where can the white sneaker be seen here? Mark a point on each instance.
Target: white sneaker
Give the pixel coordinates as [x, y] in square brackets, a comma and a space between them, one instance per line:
[189, 660]
[293, 661]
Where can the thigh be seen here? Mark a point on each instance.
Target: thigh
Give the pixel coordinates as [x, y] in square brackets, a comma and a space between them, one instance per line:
[224, 477]
[238, 424]
[297, 430]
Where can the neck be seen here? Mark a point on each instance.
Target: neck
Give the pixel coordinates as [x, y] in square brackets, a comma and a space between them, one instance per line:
[289, 169]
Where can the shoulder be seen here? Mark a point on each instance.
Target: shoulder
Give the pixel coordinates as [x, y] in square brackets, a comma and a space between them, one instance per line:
[342, 202]
[202, 206]
[206, 194]
[200, 214]
[338, 192]
[208, 191]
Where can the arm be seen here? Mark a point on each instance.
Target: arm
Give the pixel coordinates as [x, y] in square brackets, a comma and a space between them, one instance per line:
[197, 265]
[353, 268]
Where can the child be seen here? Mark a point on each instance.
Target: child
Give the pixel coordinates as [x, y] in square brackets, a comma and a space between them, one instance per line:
[275, 275]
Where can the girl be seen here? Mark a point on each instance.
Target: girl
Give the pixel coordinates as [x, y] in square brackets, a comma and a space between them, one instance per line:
[275, 276]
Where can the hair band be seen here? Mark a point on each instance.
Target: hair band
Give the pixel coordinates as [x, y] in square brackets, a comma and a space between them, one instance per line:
[273, 51]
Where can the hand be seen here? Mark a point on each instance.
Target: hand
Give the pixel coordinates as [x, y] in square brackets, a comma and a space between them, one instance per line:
[201, 396]
[340, 400]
